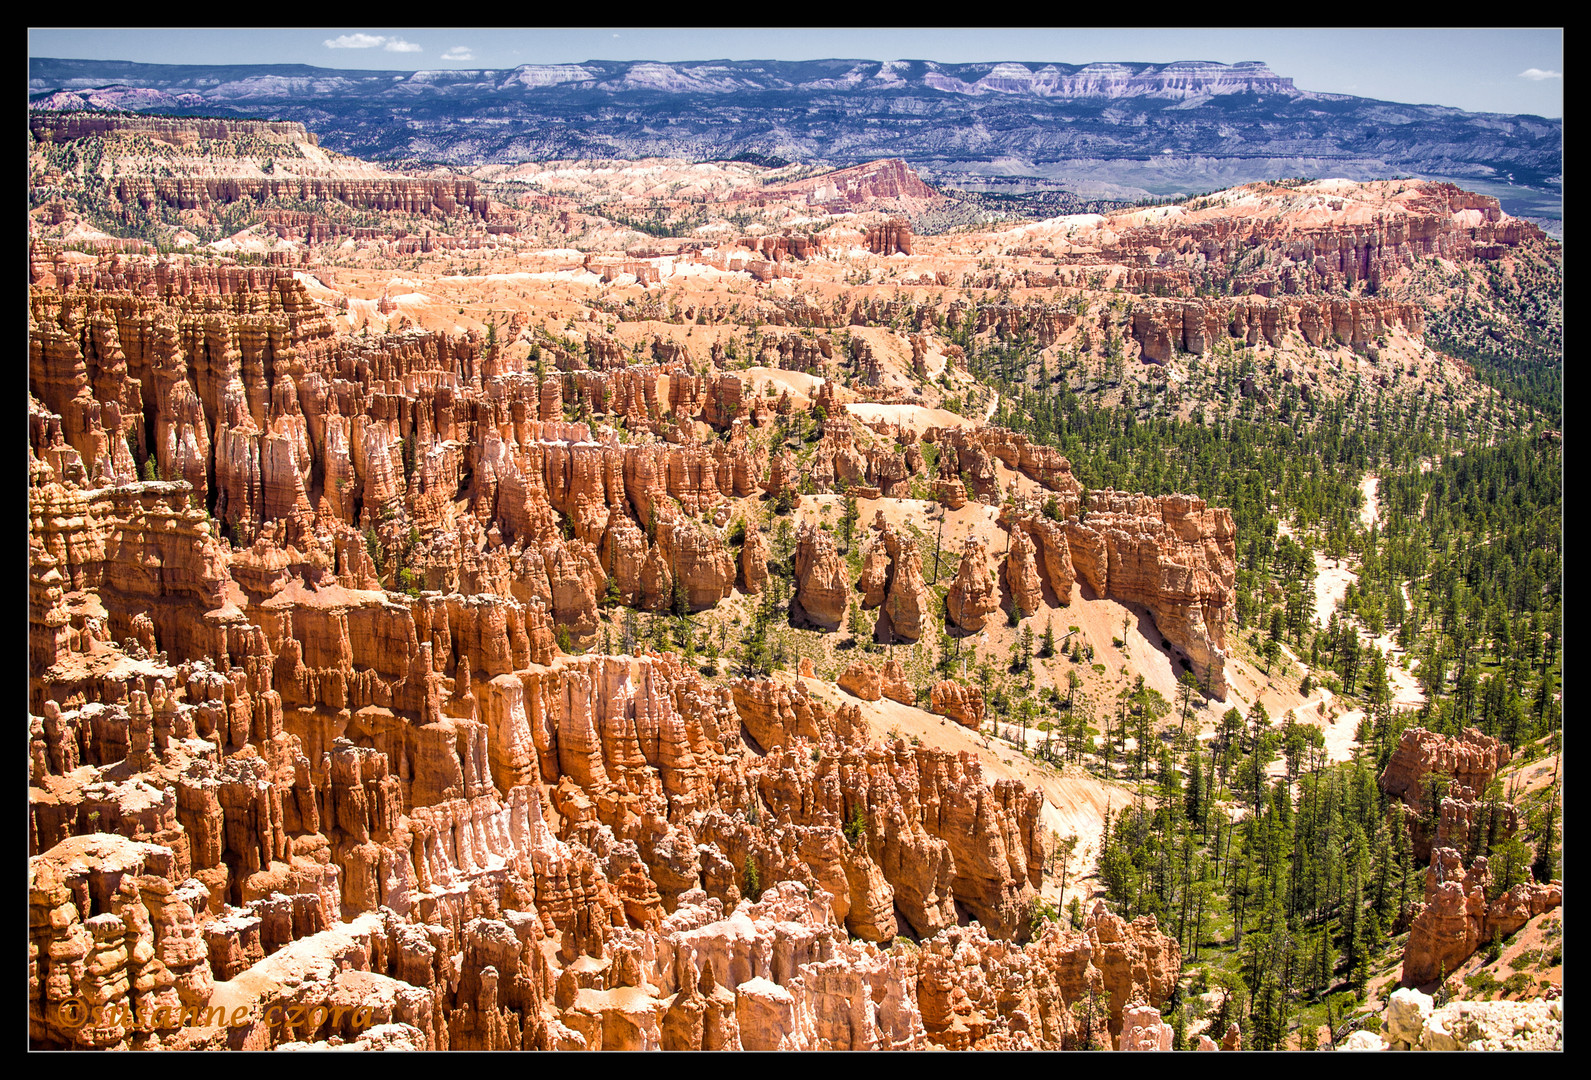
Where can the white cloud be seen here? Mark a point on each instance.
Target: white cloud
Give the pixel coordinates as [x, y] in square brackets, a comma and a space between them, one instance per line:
[459, 52]
[355, 41]
[370, 41]
[1536, 74]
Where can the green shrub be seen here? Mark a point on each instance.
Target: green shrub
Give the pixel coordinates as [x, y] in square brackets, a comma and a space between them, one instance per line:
[856, 827]
[1483, 982]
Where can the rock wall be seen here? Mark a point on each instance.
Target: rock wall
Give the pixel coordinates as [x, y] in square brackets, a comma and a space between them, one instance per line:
[1170, 553]
[366, 866]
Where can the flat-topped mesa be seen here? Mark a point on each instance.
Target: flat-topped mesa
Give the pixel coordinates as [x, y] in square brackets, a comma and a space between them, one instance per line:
[1316, 237]
[396, 194]
[1170, 553]
[59, 127]
[854, 188]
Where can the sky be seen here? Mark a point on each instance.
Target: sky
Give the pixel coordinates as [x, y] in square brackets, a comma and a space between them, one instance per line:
[1478, 69]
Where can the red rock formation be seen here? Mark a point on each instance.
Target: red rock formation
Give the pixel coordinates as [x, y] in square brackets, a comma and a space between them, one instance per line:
[1054, 553]
[861, 680]
[908, 603]
[1173, 555]
[875, 576]
[893, 684]
[972, 597]
[754, 562]
[858, 186]
[1044, 464]
[889, 238]
[960, 702]
[1194, 326]
[1461, 767]
[822, 587]
[953, 493]
[1022, 575]
[1456, 918]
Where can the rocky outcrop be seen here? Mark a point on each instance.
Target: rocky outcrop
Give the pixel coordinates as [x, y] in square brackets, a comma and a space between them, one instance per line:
[822, 585]
[888, 239]
[1053, 556]
[893, 684]
[972, 597]
[1022, 575]
[753, 562]
[1456, 918]
[1413, 1021]
[1142, 1029]
[1165, 328]
[875, 576]
[1043, 464]
[1439, 781]
[960, 702]
[861, 680]
[1170, 553]
[908, 603]
[952, 493]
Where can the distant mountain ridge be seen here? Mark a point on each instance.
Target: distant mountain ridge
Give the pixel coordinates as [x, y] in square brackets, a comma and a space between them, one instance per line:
[1180, 79]
[1142, 126]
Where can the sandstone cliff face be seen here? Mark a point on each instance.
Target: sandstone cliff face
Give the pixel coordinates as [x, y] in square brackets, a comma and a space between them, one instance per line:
[1367, 249]
[893, 684]
[1195, 326]
[1173, 555]
[433, 825]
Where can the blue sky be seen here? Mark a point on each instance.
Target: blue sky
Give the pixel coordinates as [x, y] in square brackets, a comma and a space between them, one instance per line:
[1479, 69]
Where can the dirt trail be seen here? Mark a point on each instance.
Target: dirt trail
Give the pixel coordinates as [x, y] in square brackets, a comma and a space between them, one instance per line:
[1370, 513]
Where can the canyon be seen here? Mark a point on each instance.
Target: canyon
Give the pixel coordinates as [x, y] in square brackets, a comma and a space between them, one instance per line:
[450, 600]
